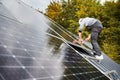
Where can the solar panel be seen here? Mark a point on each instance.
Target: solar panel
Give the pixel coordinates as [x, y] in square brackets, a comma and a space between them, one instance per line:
[36, 49]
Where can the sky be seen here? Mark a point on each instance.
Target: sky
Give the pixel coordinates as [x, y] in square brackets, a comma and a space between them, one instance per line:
[42, 4]
[38, 4]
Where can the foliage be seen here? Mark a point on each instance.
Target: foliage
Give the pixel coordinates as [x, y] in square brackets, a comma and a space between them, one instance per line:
[53, 10]
[111, 42]
[67, 14]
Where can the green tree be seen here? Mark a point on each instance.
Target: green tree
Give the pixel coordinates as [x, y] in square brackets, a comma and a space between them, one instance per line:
[53, 10]
[110, 37]
[67, 16]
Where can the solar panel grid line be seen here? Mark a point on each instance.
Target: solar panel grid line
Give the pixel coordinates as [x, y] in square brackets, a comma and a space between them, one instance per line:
[58, 35]
[6, 35]
[11, 31]
[101, 66]
[70, 34]
[73, 61]
[101, 70]
[2, 77]
[13, 47]
[62, 38]
[3, 29]
[86, 72]
[30, 60]
[20, 52]
[20, 49]
[17, 42]
[7, 66]
[89, 61]
[6, 47]
[55, 23]
[28, 33]
[4, 68]
[24, 4]
[20, 63]
[79, 67]
[3, 49]
[62, 29]
[43, 67]
[5, 55]
[79, 53]
[15, 31]
[44, 78]
[31, 39]
[51, 76]
[34, 67]
[23, 66]
[4, 12]
[97, 77]
[76, 78]
[10, 18]
[78, 64]
[78, 73]
[108, 66]
[32, 43]
[10, 58]
[54, 36]
[92, 63]
[11, 15]
[11, 44]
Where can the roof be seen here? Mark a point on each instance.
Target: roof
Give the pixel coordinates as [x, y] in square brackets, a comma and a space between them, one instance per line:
[33, 47]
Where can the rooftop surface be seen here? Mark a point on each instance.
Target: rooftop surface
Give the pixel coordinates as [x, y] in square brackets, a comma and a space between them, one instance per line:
[33, 47]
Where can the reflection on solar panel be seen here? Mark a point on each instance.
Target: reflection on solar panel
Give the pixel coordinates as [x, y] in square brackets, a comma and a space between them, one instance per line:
[33, 48]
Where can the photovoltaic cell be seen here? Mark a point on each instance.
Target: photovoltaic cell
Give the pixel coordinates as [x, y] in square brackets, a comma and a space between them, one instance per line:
[20, 60]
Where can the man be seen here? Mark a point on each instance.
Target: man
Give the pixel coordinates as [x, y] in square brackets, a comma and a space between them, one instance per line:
[95, 26]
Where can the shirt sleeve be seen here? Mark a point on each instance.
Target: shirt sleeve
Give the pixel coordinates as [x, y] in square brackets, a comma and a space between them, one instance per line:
[82, 26]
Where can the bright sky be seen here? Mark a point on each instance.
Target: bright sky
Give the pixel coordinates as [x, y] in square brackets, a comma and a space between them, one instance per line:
[42, 4]
[38, 4]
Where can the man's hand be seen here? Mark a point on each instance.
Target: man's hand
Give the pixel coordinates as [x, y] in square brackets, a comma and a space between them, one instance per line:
[88, 38]
[75, 41]
[80, 41]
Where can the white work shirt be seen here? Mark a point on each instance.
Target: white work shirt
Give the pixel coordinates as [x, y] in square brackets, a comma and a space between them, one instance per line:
[86, 22]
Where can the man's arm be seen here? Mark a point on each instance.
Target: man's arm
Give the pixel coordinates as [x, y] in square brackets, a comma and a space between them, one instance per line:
[80, 37]
[88, 38]
[80, 32]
